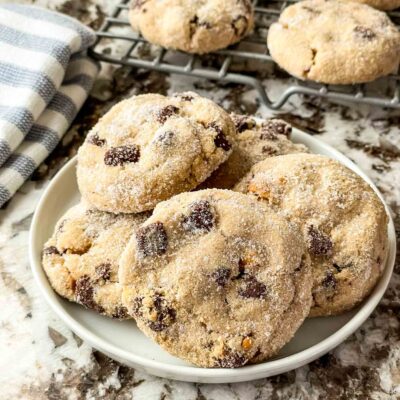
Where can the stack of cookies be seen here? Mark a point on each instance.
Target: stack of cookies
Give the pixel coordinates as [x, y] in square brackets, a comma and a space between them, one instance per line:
[328, 41]
[214, 232]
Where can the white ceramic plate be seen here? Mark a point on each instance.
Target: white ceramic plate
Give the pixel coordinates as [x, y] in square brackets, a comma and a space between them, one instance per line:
[125, 343]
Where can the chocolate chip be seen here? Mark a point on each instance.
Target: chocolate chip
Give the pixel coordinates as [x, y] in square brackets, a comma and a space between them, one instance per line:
[165, 314]
[137, 305]
[220, 140]
[330, 281]
[231, 360]
[221, 276]
[95, 140]
[273, 127]
[243, 122]
[239, 25]
[337, 267]
[319, 244]
[195, 23]
[84, 293]
[51, 250]
[166, 138]
[200, 218]
[187, 97]
[103, 271]
[242, 271]
[166, 112]
[121, 155]
[120, 312]
[340, 268]
[252, 288]
[152, 240]
[364, 32]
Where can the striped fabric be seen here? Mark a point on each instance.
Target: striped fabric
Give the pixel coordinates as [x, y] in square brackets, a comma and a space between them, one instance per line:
[45, 77]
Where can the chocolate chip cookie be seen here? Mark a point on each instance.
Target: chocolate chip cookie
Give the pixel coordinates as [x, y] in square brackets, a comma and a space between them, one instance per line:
[335, 42]
[151, 147]
[216, 278]
[197, 26]
[343, 221]
[81, 258]
[255, 141]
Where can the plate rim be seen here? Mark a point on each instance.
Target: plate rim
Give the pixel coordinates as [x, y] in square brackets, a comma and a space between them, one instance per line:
[213, 375]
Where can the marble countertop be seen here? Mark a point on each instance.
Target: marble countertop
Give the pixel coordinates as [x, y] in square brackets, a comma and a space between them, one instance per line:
[42, 359]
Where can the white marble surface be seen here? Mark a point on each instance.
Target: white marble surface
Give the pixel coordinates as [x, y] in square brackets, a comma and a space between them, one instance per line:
[42, 359]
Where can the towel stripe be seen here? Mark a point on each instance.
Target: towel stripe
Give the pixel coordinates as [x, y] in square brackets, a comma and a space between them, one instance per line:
[53, 47]
[45, 77]
[18, 116]
[83, 80]
[44, 135]
[33, 61]
[63, 105]
[5, 194]
[21, 77]
[21, 163]
[5, 151]
[41, 28]
[39, 13]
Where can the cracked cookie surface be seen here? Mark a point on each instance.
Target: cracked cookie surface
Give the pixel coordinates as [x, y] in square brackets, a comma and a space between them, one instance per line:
[81, 258]
[335, 42]
[343, 220]
[151, 147]
[216, 278]
[196, 26]
[255, 140]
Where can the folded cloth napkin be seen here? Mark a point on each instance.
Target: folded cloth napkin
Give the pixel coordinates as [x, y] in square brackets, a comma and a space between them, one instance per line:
[45, 77]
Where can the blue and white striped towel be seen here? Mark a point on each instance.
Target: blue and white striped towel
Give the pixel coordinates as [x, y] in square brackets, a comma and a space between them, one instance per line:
[45, 77]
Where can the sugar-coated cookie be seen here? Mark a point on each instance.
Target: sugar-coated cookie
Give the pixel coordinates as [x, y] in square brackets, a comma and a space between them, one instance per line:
[196, 26]
[335, 42]
[343, 221]
[81, 258]
[217, 279]
[255, 141]
[151, 147]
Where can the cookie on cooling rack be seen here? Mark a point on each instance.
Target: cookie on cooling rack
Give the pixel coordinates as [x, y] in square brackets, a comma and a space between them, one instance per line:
[380, 4]
[216, 278]
[255, 141]
[81, 258]
[335, 42]
[343, 220]
[198, 26]
[151, 147]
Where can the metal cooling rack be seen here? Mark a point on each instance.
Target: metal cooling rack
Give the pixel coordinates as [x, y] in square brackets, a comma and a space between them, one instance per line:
[238, 63]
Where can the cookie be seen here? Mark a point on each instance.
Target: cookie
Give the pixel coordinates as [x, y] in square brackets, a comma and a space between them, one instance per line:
[343, 221]
[255, 141]
[380, 4]
[197, 26]
[151, 147]
[81, 258]
[335, 42]
[217, 279]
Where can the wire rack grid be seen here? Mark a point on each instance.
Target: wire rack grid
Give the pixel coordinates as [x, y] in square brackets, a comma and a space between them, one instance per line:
[226, 64]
